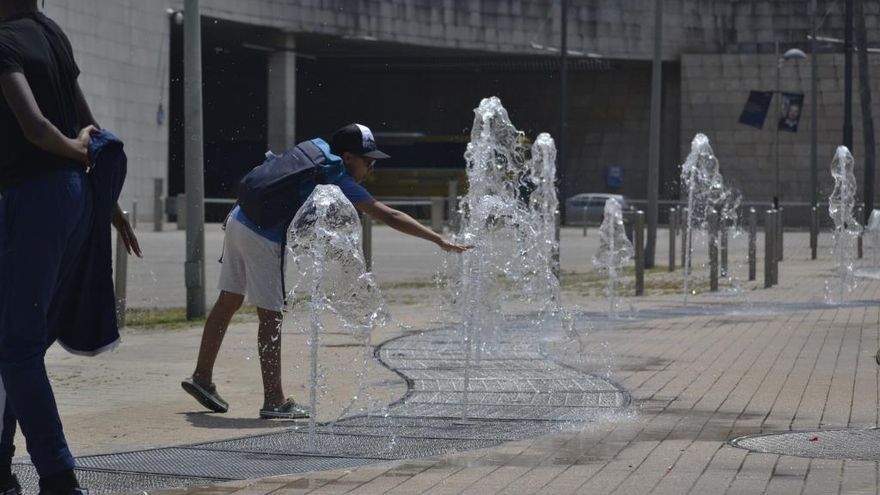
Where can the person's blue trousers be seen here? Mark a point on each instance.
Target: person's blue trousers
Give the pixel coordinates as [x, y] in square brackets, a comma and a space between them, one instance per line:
[43, 228]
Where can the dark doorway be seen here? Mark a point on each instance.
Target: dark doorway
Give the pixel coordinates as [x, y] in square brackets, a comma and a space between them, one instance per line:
[234, 81]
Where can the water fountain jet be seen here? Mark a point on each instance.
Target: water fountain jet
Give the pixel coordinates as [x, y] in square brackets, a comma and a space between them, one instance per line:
[324, 244]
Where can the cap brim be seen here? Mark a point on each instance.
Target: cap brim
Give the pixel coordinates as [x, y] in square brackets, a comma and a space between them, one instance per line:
[376, 154]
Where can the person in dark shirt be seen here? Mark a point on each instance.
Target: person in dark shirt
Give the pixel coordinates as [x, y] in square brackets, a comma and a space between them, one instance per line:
[45, 216]
[251, 267]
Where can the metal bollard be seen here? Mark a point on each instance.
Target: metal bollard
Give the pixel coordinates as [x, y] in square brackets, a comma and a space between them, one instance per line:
[585, 221]
[683, 213]
[158, 216]
[181, 212]
[639, 238]
[814, 232]
[713, 251]
[780, 226]
[753, 244]
[121, 282]
[769, 254]
[452, 205]
[860, 215]
[673, 230]
[437, 215]
[367, 240]
[777, 219]
[558, 221]
[724, 245]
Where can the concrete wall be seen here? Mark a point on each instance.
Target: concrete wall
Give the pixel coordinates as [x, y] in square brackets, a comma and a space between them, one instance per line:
[714, 91]
[122, 48]
[619, 29]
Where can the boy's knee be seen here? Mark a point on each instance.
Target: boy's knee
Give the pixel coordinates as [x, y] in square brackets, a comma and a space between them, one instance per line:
[227, 301]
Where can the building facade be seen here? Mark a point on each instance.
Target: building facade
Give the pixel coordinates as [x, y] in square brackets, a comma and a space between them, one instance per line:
[276, 71]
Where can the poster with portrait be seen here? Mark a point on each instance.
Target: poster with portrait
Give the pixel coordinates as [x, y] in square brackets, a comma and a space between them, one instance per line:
[792, 103]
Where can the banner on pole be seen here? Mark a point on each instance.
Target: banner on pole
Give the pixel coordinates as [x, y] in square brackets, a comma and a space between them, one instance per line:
[791, 111]
[755, 111]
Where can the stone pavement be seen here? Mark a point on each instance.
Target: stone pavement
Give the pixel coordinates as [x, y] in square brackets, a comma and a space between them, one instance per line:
[764, 361]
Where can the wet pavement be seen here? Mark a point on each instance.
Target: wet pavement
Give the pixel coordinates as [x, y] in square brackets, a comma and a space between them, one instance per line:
[754, 363]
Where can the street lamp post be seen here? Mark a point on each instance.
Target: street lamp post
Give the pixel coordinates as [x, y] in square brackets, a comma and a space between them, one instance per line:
[792, 54]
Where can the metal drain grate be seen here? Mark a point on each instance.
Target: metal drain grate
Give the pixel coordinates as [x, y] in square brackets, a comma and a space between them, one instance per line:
[101, 482]
[851, 444]
[514, 393]
[388, 447]
[214, 463]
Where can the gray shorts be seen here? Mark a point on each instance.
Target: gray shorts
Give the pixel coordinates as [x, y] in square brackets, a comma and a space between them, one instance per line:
[252, 267]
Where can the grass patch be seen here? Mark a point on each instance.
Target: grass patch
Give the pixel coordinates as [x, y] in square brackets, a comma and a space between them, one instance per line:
[174, 318]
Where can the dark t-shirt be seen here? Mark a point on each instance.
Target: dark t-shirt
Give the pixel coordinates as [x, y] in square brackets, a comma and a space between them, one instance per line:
[35, 46]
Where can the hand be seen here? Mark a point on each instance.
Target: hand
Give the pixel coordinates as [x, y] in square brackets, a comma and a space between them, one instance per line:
[83, 138]
[128, 238]
[451, 247]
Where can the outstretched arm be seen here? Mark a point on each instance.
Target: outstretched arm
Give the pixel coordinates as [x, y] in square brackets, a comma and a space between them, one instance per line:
[36, 127]
[402, 222]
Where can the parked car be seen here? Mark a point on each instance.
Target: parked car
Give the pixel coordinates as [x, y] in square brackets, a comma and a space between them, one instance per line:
[589, 208]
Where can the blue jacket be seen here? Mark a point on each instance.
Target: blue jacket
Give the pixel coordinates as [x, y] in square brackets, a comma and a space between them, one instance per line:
[84, 317]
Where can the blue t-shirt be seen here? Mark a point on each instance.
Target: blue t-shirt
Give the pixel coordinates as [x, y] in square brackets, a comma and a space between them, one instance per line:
[334, 173]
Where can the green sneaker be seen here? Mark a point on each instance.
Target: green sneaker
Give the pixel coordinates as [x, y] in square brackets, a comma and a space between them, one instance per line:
[288, 410]
[206, 395]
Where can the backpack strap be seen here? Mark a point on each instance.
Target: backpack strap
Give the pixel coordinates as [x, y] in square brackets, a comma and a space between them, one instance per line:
[319, 156]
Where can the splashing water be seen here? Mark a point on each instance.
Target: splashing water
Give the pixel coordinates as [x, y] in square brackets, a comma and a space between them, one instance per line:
[324, 243]
[509, 215]
[841, 204]
[615, 250]
[706, 193]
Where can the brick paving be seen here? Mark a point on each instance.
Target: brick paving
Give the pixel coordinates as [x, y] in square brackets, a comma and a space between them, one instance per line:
[699, 378]
[697, 381]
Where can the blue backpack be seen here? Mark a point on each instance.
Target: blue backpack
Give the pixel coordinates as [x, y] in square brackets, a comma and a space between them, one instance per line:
[272, 192]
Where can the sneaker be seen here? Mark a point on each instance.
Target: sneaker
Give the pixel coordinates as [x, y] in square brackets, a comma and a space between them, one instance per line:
[206, 395]
[10, 486]
[288, 410]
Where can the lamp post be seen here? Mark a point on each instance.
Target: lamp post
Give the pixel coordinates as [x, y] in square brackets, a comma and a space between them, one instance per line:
[792, 54]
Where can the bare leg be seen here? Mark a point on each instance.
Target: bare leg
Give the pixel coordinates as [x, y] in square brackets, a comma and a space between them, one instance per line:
[269, 342]
[212, 336]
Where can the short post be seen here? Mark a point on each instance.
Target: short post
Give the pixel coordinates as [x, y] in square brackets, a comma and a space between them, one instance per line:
[814, 232]
[134, 214]
[158, 216]
[121, 283]
[713, 251]
[181, 211]
[859, 218]
[585, 220]
[437, 215]
[673, 230]
[779, 231]
[558, 222]
[753, 244]
[367, 240]
[452, 205]
[684, 241]
[639, 238]
[724, 242]
[777, 219]
[769, 254]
